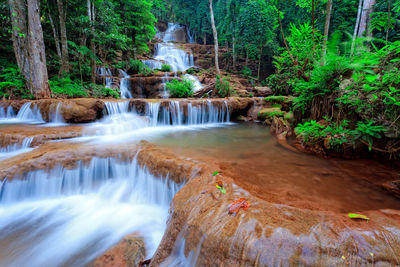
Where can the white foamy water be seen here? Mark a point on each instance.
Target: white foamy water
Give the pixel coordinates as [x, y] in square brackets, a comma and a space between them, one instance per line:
[124, 86]
[29, 114]
[16, 149]
[69, 217]
[122, 124]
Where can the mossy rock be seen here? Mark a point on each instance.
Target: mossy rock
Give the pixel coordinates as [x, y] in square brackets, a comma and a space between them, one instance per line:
[279, 99]
[269, 113]
[289, 116]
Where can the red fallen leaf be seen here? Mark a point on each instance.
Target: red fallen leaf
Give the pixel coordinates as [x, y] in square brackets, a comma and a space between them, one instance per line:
[241, 203]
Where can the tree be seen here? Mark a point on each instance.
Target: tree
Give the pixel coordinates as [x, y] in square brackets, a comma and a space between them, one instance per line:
[29, 46]
[62, 14]
[326, 31]
[365, 18]
[215, 34]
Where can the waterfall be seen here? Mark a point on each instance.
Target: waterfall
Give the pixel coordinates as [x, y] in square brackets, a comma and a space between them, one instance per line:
[153, 64]
[16, 149]
[68, 217]
[29, 114]
[106, 73]
[197, 84]
[7, 113]
[124, 86]
[164, 84]
[178, 59]
[122, 124]
[55, 117]
[190, 36]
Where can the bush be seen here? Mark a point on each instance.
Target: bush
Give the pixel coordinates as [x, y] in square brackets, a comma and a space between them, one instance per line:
[12, 84]
[138, 67]
[99, 91]
[166, 68]
[223, 87]
[67, 87]
[180, 89]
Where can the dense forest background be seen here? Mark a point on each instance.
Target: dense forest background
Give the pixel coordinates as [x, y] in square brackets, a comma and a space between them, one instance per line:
[340, 59]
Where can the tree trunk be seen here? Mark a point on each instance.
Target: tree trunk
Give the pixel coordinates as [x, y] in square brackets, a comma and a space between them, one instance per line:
[55, 33]
[370, 11]
[365, 17]
[20, 36]
[234, 52]
[62, 14]
[37, 58]
[204, 38]
[259, 65]
[360, 5]
[91, 16]
[214, 29]
[326, 32]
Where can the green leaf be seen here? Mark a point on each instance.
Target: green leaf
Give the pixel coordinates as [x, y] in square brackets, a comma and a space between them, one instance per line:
[358, 216]
[215, 173]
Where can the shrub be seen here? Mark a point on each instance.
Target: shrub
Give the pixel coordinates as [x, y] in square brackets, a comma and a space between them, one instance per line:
[138, 67]
[12, 84]
[223, 87]
[180, 89]
[166, 68]
[67, 87]
[99, 91]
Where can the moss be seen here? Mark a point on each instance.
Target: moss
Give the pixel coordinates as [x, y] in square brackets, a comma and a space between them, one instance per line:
[289, 116]
[269, 113]
[279, 99]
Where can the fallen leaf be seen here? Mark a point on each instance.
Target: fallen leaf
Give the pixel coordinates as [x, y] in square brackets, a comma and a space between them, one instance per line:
[358, 216]
[215, 173]
[241, 203]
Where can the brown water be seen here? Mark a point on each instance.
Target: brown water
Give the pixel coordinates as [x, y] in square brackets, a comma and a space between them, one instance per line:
[258, 163]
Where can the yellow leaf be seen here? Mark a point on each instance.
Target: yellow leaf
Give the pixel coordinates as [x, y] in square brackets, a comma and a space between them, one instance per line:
[357, 216]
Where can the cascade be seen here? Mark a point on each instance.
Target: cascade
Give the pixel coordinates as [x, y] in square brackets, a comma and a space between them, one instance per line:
[124, 86]
[55, 117]
[106, 73]
[16, 149]
[68, 217]
[167, 52]
[7, 113]
[27, 114]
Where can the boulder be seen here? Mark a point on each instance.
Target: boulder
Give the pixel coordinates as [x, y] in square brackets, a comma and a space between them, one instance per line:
[262, 91]
[129, 252]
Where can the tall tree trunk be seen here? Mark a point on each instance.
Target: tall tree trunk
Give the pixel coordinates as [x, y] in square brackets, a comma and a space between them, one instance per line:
[388, 24]
[62, 14]
[326, 31]
[365, 17]
[259, 65]
[91, 16]
[38, 75]
[204, 38]
[55, 33]
[360, 5]
[370, 11]
[20, 36]
[214, 29]
[234, 52]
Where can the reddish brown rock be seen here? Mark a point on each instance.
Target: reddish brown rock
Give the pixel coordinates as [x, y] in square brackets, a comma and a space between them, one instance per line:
[129, 252]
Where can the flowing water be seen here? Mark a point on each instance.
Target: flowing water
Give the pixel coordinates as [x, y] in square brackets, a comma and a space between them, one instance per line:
[70, 216]
[124, 86]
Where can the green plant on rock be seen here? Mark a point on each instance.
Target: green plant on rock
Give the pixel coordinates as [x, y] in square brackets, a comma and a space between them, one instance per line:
[180, 89]
[100, 91]
[166, 68]
[66, 87]
[223, 87]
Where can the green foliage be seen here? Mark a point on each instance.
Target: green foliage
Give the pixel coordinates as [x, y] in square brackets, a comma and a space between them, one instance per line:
[100, 91]
[12, 84]
[366, 131]
[246, 71]
[166, 68]
[66, 87]
[223, 87]
[138, 67]
[180, 89]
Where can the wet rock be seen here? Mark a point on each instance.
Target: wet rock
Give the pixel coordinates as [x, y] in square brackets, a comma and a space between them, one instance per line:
[262, 91]
[270, 112]
[129, 252]
[201, 232]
